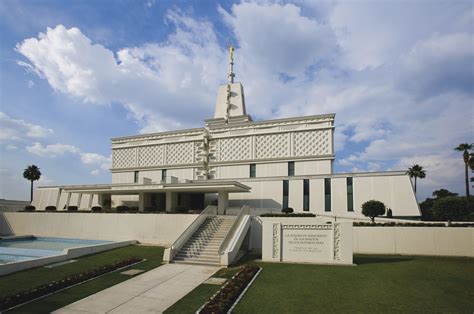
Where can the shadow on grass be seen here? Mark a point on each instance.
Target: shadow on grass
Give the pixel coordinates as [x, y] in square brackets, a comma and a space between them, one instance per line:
[361, 259]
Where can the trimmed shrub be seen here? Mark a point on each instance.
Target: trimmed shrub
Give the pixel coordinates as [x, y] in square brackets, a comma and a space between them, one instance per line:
[122, 209]
[453, 208]
[389, 213]
[50, 208]
[29, 208]
[287, 210]
[96, 208]
[373, 209]
[72, 208]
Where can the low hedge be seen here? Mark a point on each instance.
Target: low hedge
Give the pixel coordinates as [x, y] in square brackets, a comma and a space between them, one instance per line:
[50, 208]
[96, 209]
[29, 208]
[72, 208]
[226, 297]
[12, 300]
[287, 210]
[289, 215]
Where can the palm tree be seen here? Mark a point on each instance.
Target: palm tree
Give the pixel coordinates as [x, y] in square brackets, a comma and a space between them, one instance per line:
[416, 171]
[465, 147]
[32, 173]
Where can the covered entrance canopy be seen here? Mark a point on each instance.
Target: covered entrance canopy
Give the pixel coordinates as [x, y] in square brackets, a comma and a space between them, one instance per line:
[171, 190]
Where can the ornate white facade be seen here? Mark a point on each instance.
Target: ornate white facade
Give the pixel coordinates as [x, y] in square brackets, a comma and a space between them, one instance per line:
[272, 163]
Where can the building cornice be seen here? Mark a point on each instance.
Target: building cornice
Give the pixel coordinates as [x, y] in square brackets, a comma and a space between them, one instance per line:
[159, 135]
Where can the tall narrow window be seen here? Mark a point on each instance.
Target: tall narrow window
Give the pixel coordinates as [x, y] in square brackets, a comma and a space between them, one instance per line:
[285, 193]
[291, 168]
[306, 195]
[253, 170]
[327, 195]
[163, 175]
[135, 177]
[350, 195]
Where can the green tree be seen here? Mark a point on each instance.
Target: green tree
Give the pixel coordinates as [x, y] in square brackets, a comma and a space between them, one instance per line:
[452, 208]
[465, 148]
[32, 173]
[416, 171]
[373, 209]
[443, 193]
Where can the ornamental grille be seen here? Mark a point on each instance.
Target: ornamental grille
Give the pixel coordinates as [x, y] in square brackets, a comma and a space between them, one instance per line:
[235, 148]
[150, 156]
[124, 158]
[312, 143]
[179, 153]
[272, 146]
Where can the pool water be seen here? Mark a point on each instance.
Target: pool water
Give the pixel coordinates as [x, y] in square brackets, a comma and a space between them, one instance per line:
[20, 249]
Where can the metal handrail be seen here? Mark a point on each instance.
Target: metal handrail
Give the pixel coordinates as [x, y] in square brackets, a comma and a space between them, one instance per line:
[181, 240]
[244, 211]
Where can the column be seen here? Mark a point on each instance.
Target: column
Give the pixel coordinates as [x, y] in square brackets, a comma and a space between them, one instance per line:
[58, 199]
[222, 202]
[91, 198]
[68, 199]
[171, 200]
[141, 201]
[79, 199]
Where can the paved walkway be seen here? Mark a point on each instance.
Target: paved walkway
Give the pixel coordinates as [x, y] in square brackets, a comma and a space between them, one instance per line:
[151, 292]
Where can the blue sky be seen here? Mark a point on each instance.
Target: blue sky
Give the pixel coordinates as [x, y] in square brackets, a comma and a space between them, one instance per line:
[398, 74]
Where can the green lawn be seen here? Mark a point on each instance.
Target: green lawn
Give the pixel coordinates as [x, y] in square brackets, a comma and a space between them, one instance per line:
[377, 284]
[34, 277]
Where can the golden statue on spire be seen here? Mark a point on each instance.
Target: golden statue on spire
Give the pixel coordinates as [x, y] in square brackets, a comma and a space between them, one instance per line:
[231, 51]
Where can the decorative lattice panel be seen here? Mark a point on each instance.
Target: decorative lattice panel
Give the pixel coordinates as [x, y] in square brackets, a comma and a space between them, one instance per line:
[150, 156]
[312, 143]
[179, 153]
[124, 158]
[235, 148]
[272, 146]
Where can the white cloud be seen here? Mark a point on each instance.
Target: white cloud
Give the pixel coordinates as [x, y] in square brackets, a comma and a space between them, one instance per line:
[44, 180]
[56, 150]
[95, 172]
[51, 150]
[16, 129]
[30, 84]
[401, 85]
[279, 38]
[155, 82]
[96, 159]
[375, 33]
[11, 147]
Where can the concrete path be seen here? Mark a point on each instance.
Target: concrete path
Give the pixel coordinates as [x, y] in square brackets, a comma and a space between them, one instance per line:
[151, 292]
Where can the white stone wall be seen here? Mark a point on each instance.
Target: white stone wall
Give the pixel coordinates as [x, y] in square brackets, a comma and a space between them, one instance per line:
[264, 194]
[443, 241]
[159, 229]
[394, 190]
[435, 241]
[313, 167]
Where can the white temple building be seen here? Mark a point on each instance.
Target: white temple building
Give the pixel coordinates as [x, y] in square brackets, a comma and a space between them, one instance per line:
[234, 161]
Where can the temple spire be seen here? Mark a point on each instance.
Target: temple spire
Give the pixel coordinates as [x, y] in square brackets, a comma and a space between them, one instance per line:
[231, 64]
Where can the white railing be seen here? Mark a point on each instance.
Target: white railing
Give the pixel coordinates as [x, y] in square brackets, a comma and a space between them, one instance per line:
[244, 211]
[184, 237]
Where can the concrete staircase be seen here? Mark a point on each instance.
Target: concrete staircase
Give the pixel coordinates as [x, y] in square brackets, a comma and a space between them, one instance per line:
[203, 246]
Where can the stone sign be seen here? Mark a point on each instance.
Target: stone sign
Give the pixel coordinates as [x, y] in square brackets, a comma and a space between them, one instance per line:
[307, 241]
